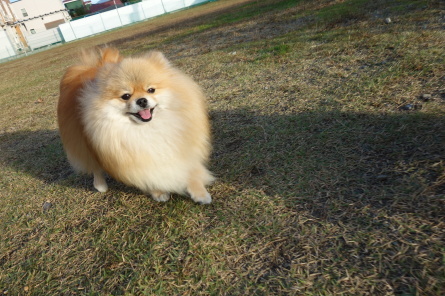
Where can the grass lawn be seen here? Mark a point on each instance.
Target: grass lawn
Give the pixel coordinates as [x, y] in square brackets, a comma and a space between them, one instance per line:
[329, 148]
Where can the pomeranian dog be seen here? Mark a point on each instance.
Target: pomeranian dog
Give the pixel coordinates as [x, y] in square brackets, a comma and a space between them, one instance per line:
[138, 119]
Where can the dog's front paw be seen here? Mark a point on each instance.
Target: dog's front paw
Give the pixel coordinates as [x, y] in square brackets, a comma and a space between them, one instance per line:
[100, 183]
[203, 199]
[101, 187]
[160, 196]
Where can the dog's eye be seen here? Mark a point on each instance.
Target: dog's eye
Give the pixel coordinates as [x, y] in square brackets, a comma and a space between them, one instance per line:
[151, 90]
[126, 97]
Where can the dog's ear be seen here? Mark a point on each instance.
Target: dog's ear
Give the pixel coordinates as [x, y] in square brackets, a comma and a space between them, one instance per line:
[97, 57]
[158, 58]
[110, 55]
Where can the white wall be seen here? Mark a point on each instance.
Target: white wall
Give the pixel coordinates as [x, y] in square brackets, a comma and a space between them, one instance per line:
[6, 48]
[193, 2]
[44, 38]
[120, 17]
[94, 24]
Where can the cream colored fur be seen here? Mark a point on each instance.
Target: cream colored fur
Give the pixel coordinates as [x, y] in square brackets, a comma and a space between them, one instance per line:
[167, 154]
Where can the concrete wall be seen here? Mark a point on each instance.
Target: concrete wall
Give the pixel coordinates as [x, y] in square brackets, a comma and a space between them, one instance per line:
[122, 16]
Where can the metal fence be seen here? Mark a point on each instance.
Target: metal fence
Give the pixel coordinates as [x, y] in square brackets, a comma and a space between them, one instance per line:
[95, 24]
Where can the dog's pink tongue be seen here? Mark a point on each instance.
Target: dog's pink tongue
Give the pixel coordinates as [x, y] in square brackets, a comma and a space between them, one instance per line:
[145, 114]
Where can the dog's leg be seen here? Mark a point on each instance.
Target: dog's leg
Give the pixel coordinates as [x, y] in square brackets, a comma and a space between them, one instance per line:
[99, 181]
[198, 193]
[159, 195]
[196, 188]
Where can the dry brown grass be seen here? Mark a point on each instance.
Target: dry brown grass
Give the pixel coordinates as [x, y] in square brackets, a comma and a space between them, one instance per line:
[325, 185]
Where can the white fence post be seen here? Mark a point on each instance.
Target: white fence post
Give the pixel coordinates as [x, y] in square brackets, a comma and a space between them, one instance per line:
[163, 7]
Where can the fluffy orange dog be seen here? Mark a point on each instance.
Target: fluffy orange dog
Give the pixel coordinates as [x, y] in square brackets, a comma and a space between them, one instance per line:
[138, 119]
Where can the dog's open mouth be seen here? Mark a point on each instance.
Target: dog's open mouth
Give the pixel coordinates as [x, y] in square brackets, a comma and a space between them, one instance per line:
[144, 115]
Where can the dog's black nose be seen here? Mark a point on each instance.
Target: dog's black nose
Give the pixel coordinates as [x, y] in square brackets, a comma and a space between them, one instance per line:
[142, 102]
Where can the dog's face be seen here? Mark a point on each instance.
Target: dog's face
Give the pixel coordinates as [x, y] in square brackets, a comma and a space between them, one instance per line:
[139, 100]
[136, 88]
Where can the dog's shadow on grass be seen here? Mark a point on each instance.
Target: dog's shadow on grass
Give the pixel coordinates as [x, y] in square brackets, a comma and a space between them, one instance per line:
[308, 158]
[41, 155]
[38, 153]
[324, 162]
